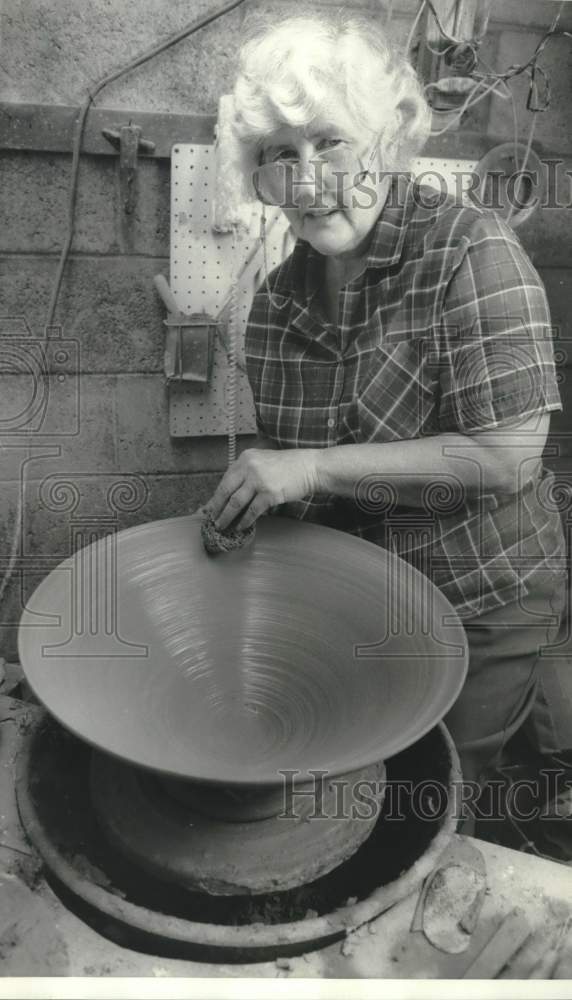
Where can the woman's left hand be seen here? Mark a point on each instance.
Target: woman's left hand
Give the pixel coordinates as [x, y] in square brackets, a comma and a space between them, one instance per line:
[261, 479]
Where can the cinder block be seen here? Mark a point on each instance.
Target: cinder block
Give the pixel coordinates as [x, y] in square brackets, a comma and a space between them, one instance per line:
[558, 284]
[554, 128]
[109, 305]
[174, 495]
[529, 14]
[9, 493]
[547, 237]
[143, 439]
[54, 53]
[65, 506]
[12, 600]
[87, 421]
[35, 196]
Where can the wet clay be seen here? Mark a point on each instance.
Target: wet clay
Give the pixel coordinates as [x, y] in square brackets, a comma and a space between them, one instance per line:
[310, 649]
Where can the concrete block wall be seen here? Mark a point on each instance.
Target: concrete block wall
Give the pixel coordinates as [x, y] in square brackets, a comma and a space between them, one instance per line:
[107, 453]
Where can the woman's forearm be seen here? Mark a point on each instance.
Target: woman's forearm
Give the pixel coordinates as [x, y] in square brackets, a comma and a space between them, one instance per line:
[458, 466]
[407, 468]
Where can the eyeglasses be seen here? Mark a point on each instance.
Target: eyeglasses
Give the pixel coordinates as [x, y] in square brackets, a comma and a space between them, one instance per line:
[335, 171]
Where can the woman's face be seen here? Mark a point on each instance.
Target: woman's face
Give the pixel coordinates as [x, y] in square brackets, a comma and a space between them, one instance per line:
[334, 218]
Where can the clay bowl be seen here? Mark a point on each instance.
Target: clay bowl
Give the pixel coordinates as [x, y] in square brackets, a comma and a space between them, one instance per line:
[311, 649]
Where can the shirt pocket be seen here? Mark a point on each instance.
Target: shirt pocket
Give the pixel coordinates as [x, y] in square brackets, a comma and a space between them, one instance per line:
[295, 399]
[397, 393]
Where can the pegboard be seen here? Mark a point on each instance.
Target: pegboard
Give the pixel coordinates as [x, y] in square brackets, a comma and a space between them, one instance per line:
[456, 174]
[202, 267]
[203, 264]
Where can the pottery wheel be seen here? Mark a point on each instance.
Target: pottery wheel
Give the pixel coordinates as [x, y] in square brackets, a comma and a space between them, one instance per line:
[177, 842]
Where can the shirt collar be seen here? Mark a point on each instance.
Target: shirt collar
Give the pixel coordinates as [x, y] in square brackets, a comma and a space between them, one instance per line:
[391, 227]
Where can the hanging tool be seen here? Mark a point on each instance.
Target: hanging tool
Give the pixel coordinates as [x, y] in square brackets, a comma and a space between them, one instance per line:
[189, 347]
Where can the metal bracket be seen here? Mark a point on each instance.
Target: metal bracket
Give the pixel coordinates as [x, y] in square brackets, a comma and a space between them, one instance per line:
[129, 141]
[189, 347]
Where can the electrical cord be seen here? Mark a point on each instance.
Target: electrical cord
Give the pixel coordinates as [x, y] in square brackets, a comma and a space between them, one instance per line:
[232, 385]
[82, 118]
[413, 28]
[510, 96]
[470, 102]
[538, 99]
[536, 103]
[516, 69]
[16, 536]
[521, 170]
[156, 50]
[186, 33]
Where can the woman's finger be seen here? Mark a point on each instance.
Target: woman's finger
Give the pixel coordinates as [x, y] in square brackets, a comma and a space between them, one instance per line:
[260, 505]
[234, 506]
[229, 484]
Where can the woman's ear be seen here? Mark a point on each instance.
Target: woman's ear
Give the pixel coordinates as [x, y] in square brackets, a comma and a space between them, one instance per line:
[394, 137]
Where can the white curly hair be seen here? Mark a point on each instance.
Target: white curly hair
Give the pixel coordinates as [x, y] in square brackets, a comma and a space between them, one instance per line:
[335, 65]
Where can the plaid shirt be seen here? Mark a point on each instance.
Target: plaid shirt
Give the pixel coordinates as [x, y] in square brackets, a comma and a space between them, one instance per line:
[446, 330]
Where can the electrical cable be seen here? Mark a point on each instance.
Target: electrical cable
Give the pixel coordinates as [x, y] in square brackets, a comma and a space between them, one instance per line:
[16, 536]
[514, 123]
[413, 28]
[522, 169]
[263, 233]
[190, 30]
[214, 539]
[470, 102]
[510, 96]
[531, 67]
[232, 385]
[519, 168]
[81, 121]
[445, 34]
[72, 199]
[517, 68]
[440, 52]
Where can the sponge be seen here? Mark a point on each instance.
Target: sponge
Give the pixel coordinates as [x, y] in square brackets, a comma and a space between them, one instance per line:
[215, 540]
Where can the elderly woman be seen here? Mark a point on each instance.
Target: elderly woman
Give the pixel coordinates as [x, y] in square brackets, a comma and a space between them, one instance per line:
[400, 361]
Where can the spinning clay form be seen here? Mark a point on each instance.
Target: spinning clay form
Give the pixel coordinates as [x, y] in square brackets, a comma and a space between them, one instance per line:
[307, 649]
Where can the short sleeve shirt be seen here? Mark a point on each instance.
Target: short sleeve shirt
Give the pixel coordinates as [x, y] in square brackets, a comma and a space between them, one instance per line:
[446, 330]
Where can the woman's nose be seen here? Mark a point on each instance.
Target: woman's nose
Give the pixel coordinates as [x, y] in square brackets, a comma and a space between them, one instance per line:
[304, 184]
[306, 179]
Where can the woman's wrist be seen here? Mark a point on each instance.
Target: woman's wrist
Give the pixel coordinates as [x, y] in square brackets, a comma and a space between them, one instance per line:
[322, 463]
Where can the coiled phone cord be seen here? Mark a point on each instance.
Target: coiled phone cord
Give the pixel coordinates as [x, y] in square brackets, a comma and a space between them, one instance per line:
[232, 380]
